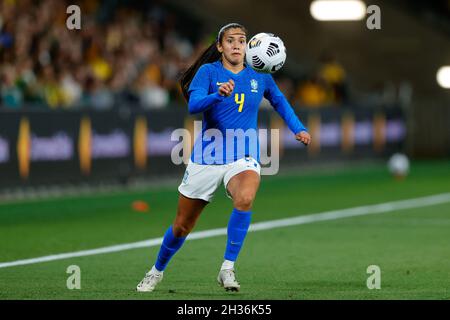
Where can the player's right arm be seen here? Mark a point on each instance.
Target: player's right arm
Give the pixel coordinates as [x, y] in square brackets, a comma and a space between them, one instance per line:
[199, 98]
[226, 88]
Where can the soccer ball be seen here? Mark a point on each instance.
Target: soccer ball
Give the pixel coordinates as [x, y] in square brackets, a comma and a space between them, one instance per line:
[398, 165]
[265, 53]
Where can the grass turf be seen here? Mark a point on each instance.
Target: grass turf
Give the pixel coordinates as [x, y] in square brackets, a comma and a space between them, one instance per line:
[323, 260]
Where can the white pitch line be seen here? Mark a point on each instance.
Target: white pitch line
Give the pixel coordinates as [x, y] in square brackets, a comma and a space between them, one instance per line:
[288, 222]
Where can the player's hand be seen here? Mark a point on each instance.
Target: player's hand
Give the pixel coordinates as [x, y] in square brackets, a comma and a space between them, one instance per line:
[304, 137]
[226, 88]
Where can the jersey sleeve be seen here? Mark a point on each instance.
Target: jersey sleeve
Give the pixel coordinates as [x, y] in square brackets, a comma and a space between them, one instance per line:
[199, 98]
[282, 106]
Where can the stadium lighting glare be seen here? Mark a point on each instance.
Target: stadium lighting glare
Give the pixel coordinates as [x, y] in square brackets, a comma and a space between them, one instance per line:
[338, 10]
[443, 77]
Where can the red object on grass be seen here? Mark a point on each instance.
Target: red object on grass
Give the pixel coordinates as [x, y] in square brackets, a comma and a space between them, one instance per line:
[140, 206]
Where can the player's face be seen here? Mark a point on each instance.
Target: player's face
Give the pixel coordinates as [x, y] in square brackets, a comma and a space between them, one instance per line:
[232, 46]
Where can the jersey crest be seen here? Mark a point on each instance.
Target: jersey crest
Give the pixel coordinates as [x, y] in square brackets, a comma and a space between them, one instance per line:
[254, 85]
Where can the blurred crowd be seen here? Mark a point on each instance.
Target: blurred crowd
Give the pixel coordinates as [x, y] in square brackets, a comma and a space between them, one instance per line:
[133, 57]
[325, 85]
[120, 55]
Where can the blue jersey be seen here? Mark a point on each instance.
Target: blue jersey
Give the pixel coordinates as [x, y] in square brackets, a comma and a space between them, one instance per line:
[230, 123]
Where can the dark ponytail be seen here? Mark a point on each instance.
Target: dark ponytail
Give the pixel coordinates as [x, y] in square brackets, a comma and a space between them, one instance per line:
[211, 54]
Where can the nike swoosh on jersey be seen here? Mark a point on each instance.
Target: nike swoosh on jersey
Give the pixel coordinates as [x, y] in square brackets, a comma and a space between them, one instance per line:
[219, 83]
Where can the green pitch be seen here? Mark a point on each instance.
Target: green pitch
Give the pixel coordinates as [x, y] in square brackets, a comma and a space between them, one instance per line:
[319, 260]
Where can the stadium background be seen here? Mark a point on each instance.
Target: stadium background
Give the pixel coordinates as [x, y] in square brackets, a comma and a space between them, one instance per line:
[86, 117]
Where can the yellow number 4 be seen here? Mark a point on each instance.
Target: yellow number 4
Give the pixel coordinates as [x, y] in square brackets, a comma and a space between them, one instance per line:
[240, 101]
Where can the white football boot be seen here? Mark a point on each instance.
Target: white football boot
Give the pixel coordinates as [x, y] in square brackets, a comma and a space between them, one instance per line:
[151, 279]
[227, 279]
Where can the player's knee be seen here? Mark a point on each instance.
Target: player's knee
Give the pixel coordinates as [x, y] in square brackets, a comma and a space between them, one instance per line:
[244, 201]
[181, 230]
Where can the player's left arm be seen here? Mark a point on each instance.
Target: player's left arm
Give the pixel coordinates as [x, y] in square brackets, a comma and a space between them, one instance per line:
[285, 110]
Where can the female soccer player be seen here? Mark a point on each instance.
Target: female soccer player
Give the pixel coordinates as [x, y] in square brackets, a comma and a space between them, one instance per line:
[228, 93]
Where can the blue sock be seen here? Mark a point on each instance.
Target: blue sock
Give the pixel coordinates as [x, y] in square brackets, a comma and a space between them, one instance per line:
[237, 230]
[169, 247]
